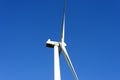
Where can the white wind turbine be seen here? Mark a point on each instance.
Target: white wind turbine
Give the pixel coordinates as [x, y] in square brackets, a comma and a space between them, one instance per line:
[58, 48]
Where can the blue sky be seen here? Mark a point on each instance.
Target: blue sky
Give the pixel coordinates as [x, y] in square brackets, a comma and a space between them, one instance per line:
[92, 36]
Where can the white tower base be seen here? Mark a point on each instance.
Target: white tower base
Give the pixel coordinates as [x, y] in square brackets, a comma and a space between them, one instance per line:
[57, 75]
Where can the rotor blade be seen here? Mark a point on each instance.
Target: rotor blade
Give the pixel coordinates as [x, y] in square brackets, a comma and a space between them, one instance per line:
[63, 23]
[69, 61]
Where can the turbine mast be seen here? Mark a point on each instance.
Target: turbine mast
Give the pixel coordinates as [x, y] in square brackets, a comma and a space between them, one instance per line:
[57, 75]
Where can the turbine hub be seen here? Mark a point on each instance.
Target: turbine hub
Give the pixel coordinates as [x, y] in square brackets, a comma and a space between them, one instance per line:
[63, 43]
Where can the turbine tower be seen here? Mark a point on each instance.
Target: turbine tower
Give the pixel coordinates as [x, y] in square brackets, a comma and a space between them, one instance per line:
[58, 48]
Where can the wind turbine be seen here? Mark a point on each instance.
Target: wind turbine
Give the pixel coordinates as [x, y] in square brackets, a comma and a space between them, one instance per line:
[58, 48]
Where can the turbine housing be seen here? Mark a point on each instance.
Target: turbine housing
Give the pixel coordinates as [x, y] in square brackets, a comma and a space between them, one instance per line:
[51, 44]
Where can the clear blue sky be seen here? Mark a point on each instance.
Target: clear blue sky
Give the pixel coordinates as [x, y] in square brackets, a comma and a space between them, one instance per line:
[92, 36]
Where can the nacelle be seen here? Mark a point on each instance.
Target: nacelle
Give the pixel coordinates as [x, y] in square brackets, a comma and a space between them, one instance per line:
[51, 44]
